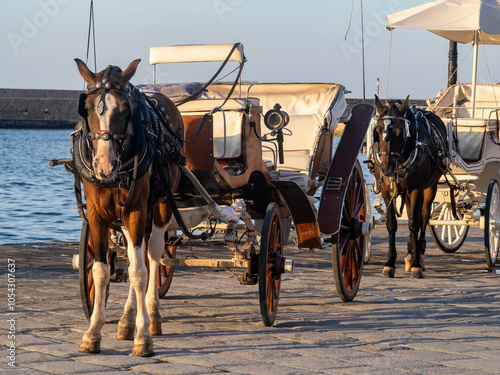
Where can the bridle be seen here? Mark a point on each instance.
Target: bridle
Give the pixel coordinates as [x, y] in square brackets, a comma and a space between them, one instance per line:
[390, 123]
[128, 171]
[103, 87]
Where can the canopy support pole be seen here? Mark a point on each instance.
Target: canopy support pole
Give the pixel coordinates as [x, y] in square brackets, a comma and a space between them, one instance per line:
[452, 64]
[474, 72]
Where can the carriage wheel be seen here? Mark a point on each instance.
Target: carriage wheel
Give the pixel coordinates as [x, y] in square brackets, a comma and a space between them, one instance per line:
[86, 261]
[492, 223]
[348, 244]
[448, 237]
[166, 273]
[270, 264]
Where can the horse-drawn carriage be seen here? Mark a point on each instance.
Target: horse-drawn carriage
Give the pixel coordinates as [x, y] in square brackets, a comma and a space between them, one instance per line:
[466, 149]
[234, 173]
[474, 147]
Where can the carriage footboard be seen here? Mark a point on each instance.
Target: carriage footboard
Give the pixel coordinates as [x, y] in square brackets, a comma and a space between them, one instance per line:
[304, 217]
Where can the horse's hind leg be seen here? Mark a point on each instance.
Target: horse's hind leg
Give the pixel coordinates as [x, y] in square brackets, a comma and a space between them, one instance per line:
[429, 195]
[126, 325]
[156, 247]
[143, 344]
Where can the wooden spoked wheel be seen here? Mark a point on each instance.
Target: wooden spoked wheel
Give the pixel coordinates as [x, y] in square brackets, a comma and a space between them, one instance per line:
[270, 264]
[492, 223]
[86, 277]
[166, 273]
[348, 244]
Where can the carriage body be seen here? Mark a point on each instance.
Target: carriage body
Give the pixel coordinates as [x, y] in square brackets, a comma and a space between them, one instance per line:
[240, 177]
[474, 149]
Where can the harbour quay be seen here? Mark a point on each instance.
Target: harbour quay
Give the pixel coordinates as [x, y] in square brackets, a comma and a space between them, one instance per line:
[445, 323]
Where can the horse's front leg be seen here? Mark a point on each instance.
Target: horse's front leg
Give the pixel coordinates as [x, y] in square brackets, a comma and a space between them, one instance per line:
[392, 226]
[143, 344]
[91, 342]
[414, 209]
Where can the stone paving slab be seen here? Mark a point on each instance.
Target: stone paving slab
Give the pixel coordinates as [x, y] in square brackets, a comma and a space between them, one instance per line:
[446, 323]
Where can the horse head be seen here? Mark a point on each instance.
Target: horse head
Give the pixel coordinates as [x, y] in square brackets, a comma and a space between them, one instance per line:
[390, 133]
[107, 107]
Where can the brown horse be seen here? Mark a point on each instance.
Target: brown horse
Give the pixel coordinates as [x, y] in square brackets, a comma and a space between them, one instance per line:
[408, 152]
[115, 153]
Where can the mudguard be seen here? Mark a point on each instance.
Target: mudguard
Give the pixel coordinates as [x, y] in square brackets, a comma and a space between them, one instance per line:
[339, 173]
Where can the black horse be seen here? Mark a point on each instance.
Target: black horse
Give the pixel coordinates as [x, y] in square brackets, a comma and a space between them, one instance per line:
[408, 151]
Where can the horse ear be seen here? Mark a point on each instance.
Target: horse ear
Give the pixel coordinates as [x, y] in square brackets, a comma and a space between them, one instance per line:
[378, 105]
[404, 107]
[85, 72]
[130, 71]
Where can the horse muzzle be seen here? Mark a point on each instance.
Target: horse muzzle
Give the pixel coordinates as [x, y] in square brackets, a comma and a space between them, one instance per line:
[105, 171]
[105, 162]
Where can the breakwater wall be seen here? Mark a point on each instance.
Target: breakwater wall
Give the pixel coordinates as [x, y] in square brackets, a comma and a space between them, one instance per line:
[44, 109]
[53, 109]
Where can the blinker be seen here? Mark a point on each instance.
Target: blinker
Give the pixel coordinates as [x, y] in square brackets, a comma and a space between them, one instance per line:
[385, 133]
[100, 107]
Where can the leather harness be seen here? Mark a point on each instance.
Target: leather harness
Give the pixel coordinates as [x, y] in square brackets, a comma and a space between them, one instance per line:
[150, 141]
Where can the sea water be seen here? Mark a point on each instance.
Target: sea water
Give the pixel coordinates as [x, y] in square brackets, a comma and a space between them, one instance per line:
[37, 202]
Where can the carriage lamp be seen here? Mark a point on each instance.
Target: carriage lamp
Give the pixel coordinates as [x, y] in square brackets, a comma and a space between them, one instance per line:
[276, 119]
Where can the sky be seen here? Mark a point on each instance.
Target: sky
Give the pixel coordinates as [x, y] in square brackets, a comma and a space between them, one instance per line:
[284, 41]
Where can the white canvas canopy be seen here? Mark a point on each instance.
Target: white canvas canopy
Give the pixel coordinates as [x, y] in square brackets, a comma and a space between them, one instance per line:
[456, 20]
[463, 21]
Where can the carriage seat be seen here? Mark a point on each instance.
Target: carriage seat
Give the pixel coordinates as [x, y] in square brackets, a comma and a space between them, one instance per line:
[471, 126]
[471, 133]
[175, 92]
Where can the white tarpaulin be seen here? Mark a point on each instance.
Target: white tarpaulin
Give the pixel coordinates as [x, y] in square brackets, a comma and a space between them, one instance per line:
[456, 20]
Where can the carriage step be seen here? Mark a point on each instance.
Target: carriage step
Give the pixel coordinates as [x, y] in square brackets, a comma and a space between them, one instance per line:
[288, 263]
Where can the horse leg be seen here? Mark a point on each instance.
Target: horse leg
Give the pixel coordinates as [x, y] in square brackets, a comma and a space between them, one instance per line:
[126, 325]
[392, 226]
[429, 195]
[414, 208]
[156, 247]
[143, 344]
[91, 341]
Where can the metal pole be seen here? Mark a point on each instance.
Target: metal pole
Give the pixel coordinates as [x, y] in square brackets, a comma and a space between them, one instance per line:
[452, 63]
[363, 49]
[474, 73]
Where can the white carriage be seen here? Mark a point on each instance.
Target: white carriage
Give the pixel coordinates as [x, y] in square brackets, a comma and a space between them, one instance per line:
[471, 114]
[474, 147]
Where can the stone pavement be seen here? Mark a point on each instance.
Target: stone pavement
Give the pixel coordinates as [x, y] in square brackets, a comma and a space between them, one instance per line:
[446, 323]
